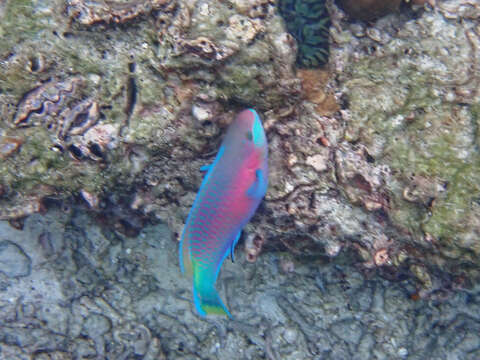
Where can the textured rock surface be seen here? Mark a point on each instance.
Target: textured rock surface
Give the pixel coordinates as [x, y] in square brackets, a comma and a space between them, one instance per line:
[413, 116]
[13, 261]
[119, 103]
[97, 294]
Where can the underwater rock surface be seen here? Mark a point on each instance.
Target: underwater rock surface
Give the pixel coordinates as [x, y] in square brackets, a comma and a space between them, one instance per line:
[94, 293]
[118, 104]
[413, 117]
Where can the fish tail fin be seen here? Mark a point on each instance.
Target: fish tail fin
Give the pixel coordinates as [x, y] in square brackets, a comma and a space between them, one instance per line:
[207, 301]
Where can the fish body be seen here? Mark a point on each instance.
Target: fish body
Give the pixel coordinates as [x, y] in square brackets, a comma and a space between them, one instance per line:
[232, 189]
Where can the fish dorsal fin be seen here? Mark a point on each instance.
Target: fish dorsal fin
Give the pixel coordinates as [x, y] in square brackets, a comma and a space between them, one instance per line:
[234, 243]
[259, 186]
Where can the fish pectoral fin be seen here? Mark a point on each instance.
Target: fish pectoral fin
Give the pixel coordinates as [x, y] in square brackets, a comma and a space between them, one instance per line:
[205, 168]
[234, 243]
[259, 187]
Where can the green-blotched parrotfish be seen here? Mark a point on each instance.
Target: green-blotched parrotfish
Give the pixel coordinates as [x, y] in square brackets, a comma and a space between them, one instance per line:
[233, 186]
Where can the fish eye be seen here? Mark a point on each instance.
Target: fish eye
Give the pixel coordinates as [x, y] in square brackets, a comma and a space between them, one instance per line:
[249, 136]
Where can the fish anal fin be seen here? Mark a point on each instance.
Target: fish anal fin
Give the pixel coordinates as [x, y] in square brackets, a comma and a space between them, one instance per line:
[234, 243]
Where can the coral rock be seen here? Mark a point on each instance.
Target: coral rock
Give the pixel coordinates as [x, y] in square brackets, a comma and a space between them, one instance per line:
[93, 12]
[8, 146]
[314, 82]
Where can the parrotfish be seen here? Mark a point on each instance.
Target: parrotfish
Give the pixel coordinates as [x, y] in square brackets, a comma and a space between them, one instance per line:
[231, 190]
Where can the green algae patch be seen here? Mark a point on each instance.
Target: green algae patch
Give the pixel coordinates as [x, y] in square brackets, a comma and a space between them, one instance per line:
[440, 148]
[36, 163]
[454, 219]
[19, 23]
[240, 83]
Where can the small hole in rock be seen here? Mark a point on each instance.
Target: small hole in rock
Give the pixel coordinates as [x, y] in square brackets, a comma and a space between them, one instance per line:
[75, 151]
[370, 159]
[34, 64]
[96, 150]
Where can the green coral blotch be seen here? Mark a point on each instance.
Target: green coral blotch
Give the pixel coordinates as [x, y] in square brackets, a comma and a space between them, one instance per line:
[308, 22]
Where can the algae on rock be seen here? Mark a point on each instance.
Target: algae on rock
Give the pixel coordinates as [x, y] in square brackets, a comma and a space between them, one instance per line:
[143, 66]
[412, 103]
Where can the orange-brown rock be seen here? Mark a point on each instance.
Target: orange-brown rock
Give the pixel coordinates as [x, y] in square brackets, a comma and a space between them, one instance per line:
[314, 83]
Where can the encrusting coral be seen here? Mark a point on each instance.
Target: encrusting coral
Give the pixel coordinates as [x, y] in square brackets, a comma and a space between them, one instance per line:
[308, 22]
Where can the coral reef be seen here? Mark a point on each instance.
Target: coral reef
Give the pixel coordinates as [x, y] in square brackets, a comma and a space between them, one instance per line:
[93, 91]
[424, 137]
[94, 12]
[119, 104]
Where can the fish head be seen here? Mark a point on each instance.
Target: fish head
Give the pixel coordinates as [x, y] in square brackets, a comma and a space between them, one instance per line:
[249, 122]
[247, 128]
[255, 132]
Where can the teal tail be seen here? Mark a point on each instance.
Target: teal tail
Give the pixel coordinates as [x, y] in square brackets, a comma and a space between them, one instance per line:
[208, 302]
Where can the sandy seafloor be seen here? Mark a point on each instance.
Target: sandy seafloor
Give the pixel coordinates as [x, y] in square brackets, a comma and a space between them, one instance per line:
[72, 290]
